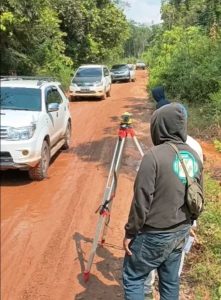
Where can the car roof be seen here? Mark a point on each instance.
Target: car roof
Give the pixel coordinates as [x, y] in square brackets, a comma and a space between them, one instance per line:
[119, 65]
[91, 66]
[26, 83]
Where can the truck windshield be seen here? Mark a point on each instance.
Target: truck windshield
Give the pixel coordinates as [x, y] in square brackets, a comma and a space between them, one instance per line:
[20, 98]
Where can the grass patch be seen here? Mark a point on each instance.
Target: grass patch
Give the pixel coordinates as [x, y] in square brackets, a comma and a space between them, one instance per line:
[204, 261]
[201, 122]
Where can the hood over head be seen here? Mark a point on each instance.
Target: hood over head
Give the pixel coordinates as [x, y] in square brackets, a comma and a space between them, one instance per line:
[159, 96]
[158, 93]
[169, 123]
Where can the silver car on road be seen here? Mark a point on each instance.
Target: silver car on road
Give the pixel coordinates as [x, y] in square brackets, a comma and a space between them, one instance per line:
[120, 72]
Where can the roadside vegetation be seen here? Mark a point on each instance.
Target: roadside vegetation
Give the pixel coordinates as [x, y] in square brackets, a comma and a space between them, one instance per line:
[45, 37]
[203, 262]
[184, 56]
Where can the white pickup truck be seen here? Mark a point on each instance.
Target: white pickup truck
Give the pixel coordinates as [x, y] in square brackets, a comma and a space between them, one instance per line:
[35, 124]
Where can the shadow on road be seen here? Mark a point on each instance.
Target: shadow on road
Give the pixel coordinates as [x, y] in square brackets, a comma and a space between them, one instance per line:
[101, 151]
[93, 151]
[86, 99]
[140, 109]
[17, 177]
[14, 178]
[109, 266]
[97, 290]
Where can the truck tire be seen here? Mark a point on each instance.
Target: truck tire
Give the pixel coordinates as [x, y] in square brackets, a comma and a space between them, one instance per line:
[67, 137]
[39, 172]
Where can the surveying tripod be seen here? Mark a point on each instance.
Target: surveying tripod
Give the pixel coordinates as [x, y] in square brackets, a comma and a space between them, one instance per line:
[104, 209]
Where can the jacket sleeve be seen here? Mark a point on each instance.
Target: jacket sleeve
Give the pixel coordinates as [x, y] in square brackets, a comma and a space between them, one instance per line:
[144, 188]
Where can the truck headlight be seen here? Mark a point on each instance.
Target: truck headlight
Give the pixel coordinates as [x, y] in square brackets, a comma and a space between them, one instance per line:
[21, 133]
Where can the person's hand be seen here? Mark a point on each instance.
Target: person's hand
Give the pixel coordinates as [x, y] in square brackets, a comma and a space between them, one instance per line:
[126, 243]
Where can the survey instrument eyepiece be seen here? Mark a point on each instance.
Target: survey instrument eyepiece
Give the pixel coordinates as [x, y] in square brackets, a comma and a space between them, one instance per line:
[126, 119]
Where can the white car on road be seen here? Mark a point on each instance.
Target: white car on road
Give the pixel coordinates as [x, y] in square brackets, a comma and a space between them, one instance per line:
[35, 124]
[140, 65]
[120, 72]
[90, 81]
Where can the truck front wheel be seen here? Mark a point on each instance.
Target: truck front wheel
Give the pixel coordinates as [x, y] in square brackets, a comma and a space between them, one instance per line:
[39, 172]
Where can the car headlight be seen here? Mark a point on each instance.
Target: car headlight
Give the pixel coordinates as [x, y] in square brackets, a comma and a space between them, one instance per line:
[73, 86]
[21, 133]
[100, 83]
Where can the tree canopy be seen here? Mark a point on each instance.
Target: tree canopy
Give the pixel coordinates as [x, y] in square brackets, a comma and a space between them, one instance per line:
[184, 53]
[45, 36]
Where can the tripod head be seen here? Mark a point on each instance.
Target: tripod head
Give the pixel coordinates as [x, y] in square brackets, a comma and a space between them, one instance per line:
[126, 120]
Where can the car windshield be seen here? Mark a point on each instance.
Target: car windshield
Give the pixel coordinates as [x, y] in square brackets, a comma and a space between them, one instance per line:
[20, 98]
[120, 67]
[90, 72]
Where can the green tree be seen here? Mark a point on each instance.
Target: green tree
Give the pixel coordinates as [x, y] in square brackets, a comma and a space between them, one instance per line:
[187, 63]
[32, 39]
[94, 29]
[205, 13]
[140, 36]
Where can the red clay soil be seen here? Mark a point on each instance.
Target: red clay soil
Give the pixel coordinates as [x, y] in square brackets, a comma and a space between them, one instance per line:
[47, 227]
[212, 160]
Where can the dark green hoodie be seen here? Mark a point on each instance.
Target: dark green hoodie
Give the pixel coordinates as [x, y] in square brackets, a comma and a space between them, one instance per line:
[159, 190]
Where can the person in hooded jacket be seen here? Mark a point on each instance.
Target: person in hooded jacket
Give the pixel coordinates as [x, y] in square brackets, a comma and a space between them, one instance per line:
[158, 94]
[159, 221]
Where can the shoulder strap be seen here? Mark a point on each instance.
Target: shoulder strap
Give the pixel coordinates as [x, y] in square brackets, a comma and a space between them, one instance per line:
[181, 160]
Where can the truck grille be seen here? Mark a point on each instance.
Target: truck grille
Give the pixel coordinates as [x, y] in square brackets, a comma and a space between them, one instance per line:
[3, 133]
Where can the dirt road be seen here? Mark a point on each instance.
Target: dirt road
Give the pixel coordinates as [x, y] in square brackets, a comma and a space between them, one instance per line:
[47, 227]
